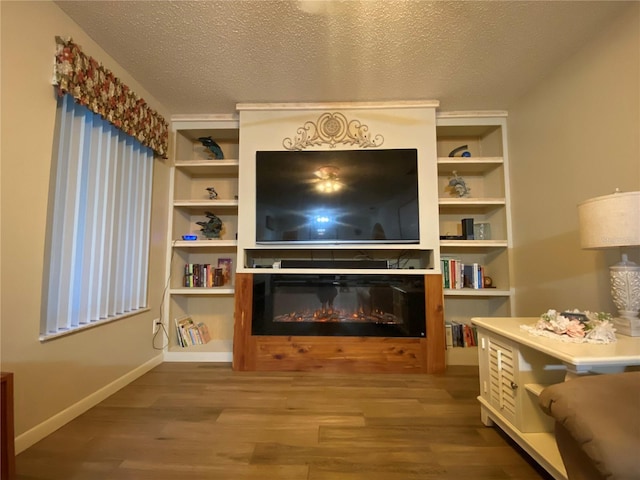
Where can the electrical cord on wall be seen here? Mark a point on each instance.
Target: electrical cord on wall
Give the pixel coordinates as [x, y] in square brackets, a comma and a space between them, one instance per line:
[155, 335]
[161, 322]
[403, 259]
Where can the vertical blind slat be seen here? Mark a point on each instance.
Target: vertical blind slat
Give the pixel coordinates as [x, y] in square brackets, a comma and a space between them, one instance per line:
[117, 307]
[61, 167]
[101, 188]
[88, 292]
[138, 181]
[67, 314]
[63, 248]
[129, 231]
[146, 227]
[107, 272]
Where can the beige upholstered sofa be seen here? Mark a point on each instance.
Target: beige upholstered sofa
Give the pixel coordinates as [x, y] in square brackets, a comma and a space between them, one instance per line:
[597, 420]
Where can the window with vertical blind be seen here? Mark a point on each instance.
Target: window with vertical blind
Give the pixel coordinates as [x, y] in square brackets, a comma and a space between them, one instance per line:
[98, 224]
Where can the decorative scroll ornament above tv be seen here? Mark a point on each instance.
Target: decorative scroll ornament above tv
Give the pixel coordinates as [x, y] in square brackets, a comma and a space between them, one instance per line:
[332, 129]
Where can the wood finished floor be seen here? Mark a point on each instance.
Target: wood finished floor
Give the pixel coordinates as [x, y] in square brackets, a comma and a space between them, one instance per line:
[204, 421]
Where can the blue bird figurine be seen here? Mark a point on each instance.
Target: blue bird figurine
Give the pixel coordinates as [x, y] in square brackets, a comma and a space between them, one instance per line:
[212, 146]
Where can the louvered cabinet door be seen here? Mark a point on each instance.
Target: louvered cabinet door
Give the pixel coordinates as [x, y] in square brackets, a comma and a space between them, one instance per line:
[502, 369]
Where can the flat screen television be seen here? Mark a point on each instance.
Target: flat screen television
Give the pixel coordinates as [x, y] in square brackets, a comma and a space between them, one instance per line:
[337, 196]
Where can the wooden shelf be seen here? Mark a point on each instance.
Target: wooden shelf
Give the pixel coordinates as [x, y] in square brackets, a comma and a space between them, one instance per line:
[202, 291]
[470, 206]
[199, 204]
[473, 244]
[471, 202]
[480, 292]
[214, 351]
[468, 165]
[465, 125]
[340, 271]
[211, 346]
[535, 388]
[204, 243]
[208, 167]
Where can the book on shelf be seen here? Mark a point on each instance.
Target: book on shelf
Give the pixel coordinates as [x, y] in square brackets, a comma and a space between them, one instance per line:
[452, 272]
[217, 277]
[189, 333]
[199, 275]
[474, 276]
[468, 336]
[181, 335]
[448, 335]
[457, 275]
[444, 266]
[204, 332]
[460, 335]
[225, 265]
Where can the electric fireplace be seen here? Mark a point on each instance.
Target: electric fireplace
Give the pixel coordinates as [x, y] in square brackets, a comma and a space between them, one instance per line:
[339, 305]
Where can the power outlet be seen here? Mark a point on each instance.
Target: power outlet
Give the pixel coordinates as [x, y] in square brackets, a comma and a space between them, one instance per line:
[156, 325]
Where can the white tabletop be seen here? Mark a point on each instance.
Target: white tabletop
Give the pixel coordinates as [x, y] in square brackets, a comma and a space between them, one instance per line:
[625, 351]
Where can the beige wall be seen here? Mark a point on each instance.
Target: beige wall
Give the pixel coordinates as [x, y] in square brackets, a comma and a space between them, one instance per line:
[574, 137]
[53, 376]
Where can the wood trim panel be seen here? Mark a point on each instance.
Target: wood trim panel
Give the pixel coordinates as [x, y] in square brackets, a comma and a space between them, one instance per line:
[435, 343]
[339, 354]
[243, 343]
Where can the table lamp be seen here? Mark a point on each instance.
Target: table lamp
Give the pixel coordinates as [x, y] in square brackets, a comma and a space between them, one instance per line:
[614, 221]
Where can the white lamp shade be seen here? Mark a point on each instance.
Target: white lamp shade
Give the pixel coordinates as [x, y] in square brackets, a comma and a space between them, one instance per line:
[610, 221]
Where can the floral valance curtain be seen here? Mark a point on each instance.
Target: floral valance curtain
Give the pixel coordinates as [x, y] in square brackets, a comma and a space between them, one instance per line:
[98, 89]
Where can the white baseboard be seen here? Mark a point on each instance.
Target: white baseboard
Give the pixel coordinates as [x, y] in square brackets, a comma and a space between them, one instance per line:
[37, 433]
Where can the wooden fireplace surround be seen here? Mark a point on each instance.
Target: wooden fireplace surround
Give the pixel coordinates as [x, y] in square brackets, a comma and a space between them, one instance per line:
[339, 354]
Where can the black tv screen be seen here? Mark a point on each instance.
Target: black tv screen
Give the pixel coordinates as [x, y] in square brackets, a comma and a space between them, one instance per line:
[337, 196]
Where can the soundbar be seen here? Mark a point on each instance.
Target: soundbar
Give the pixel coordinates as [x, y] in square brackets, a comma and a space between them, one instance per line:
[337, 264]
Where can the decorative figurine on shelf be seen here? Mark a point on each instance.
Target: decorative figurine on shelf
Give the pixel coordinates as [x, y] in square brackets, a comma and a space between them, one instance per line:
[457, 186]
[212, 193]
[463, 149]
[211, 228]
[214, 148]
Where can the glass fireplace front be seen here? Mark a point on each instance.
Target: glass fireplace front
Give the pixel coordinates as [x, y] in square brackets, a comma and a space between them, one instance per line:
[339, 305]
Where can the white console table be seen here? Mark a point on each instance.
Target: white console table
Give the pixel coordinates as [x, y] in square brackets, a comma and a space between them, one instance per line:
[515, 366]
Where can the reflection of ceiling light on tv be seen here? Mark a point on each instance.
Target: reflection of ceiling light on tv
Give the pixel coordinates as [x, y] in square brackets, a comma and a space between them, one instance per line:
[328, 186]
[322, 219]
[328, 181]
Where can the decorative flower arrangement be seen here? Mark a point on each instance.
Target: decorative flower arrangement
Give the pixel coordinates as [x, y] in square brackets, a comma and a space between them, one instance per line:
[575, 326]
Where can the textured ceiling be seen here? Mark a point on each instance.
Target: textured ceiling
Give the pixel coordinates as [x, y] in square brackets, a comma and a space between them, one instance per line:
[207, 56]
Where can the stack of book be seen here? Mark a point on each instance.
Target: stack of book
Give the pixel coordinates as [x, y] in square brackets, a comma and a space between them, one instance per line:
[460, 335]
[202, 275]
[189, 333]
[456, 274]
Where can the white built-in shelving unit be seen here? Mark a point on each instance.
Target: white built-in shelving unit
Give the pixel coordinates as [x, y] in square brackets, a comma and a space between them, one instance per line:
[192, 171]
[486, 172]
